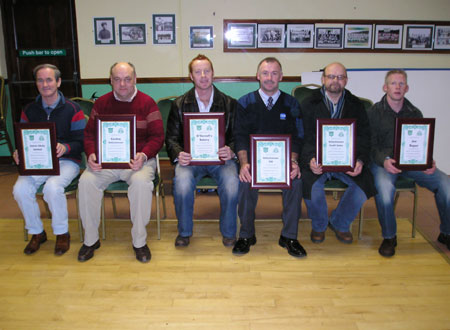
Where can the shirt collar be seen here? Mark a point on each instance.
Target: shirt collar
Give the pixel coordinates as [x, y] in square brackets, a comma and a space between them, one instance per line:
[54, 104]
[130, 99]
[201, 106]
[265, 97]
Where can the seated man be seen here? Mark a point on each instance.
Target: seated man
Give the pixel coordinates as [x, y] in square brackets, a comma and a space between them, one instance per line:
[51, 106]
[382, 117]
[203, 97]
[268, 111]
[124, 99]
[334, 101]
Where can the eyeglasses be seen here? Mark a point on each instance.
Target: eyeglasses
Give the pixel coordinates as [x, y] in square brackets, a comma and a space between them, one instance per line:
[332, 77]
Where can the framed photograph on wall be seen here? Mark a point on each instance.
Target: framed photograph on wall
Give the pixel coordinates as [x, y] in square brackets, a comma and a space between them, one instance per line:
[164, 29]
[300, 36]
[328, 37]
[271, 35]
[104, 31]
[388, 36]
[418, 37]
[130, 34]
[358, 36]
[442, 37]
[201, 37]
[241, 35]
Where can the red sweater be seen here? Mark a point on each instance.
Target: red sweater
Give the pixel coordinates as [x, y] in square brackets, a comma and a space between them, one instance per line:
[149, 125]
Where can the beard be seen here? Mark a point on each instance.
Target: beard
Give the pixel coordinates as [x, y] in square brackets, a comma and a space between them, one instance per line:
[334, 88]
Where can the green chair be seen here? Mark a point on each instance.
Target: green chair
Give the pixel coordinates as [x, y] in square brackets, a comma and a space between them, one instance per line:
[303, 91]
[164, 105]
[121, 188]
[85, 104]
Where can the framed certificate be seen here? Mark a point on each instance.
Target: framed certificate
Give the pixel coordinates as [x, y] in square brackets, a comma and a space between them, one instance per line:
[336, 144]
[115, 140]
[36, 145]
[204, 134]
[413, 143]
[270, 161]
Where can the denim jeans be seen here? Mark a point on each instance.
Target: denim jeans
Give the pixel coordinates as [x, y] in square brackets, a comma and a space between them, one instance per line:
[24, 192]
[184, 183]
[342, 217]
[438, 183]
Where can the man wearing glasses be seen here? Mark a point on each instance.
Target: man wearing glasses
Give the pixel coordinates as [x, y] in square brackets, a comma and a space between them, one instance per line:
[332, 100]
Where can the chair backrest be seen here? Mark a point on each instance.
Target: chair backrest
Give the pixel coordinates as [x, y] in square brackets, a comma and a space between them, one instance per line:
[164, 105]
[85, 104]
[303, 91]
[366, 102]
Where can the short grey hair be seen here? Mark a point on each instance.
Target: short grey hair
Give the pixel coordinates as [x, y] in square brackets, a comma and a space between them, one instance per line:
[47, 66]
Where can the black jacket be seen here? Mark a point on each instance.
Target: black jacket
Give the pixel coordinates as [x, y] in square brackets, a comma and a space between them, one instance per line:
[188, 103]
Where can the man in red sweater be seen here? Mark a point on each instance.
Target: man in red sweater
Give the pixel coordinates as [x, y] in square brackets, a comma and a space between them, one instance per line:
[124, 99]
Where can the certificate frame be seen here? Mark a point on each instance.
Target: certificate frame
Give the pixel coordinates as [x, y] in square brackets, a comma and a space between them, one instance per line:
[217, 120]
[115, 120]
[326, 124]
[424, 125]
[262, 142]
[48, 129]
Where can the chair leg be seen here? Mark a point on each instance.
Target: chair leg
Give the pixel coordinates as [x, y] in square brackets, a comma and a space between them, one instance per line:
[361, 218]
[416, 198]
[114, 206]
[103, 218]
[158, 215]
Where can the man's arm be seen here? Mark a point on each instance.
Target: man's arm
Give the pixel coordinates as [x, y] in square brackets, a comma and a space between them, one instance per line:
[174, 133]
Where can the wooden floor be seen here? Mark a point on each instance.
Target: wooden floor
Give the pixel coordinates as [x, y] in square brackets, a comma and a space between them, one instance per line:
[204, 286]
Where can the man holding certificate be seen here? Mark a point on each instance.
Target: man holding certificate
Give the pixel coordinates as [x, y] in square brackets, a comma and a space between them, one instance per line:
[139, 172]
[51, 106]
[202, 134]
[268, 111]
[382, 118]
[333, 101]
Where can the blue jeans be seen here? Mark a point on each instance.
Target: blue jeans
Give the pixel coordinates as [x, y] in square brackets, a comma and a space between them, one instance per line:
[438, 183]
[184, 183]
[24, 192]
[342, 217]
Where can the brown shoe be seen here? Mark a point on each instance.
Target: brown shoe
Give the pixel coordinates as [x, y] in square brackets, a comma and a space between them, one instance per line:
[35, 243]
[143, 253]
[228, 242]
[62, 244]
[342, 236]
[181, 241]
[317, 236]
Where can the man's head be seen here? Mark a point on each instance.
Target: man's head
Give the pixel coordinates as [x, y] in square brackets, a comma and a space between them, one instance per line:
[269, 74]
[201, 72]
[104, 25]
[123, 80]
[396, 85]
[334, 78]
[48, 80]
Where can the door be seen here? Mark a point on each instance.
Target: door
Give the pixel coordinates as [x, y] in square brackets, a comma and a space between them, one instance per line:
[37, 32]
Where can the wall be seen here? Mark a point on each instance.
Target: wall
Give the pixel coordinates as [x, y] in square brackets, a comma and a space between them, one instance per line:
[172, 60]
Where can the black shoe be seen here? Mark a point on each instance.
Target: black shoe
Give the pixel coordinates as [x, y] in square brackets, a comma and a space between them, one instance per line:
[143, 253]
[35, 243]
[444, 239]
[293, 247]
[181, 241]
[387, 248]
[242, 245]
[87, 252]
[228, 242]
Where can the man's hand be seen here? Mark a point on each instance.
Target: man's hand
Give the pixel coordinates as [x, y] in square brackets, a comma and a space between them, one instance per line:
[389, 166]
[16, 156]
[60, 149]
[244, 173]
[138, 161]
[225, 153]
[315, 168]
[357, 170]
[92, 162]
[295, 171]
[184, 158]
[431, 170]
